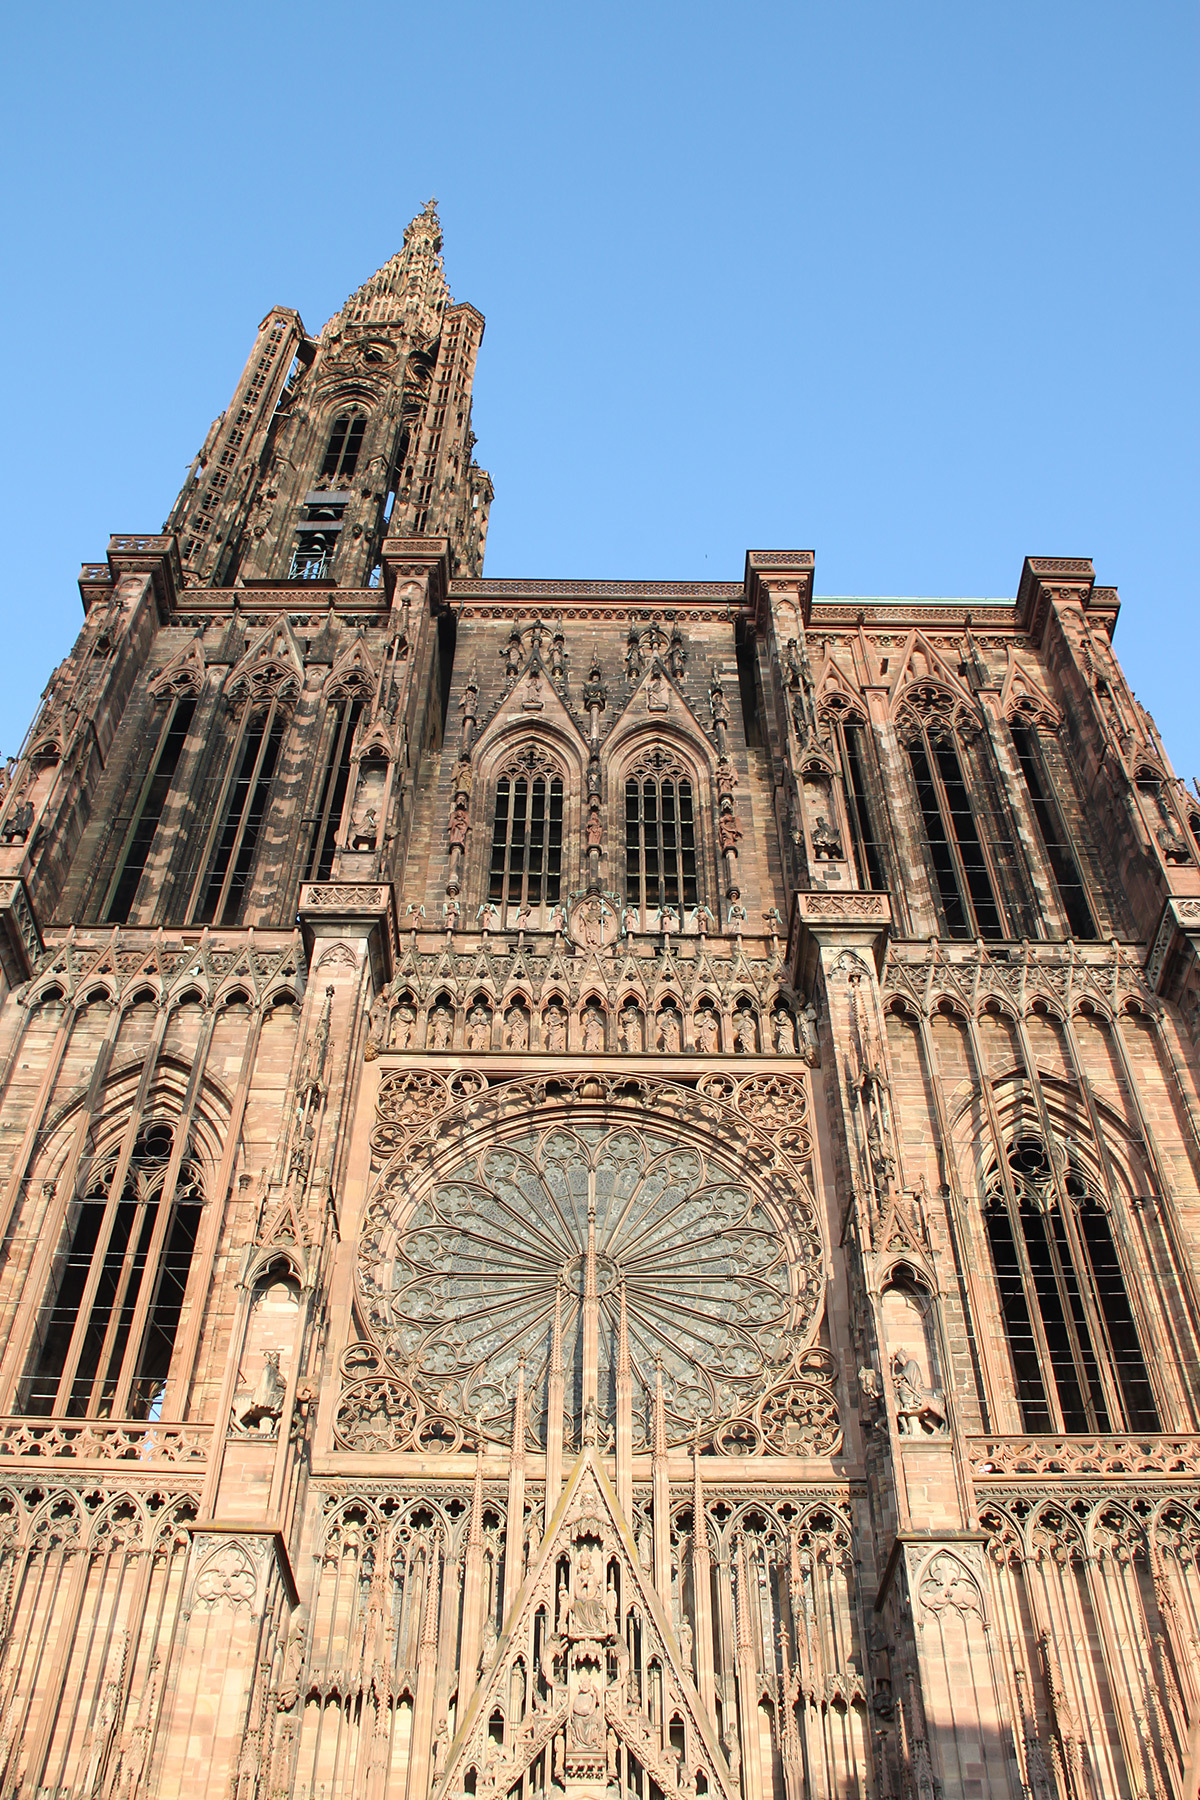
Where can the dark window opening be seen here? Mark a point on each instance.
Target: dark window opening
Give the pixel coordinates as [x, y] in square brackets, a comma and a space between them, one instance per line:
[527, 835]
[106, 1328]
[660, 842]
[748, 687]
[149, 809]
[960, 866]
[345, 442]
[1055, 841]
[245, 810]
[866, 843]
[333, 791]
[447, 638]
[1048, 1267]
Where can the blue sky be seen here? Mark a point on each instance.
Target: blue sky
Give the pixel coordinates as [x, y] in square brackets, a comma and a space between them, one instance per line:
[912, 286]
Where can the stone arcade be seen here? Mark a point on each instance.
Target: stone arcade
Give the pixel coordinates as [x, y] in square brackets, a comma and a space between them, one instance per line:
[599, 1178]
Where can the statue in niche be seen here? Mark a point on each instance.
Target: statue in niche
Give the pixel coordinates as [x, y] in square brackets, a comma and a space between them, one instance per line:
[595, 830]
[670, 1030]
[531, 699]
[441, 1026]
[479, 1028]
[827, 846]
[364, 832]
[17, 826]
[512, 656]
[656, 689]
[588, 1614]
[586, 1730]
[631, 1027]
[593, 1028]
[376, 1026]
[784, 1026]
[745, 1032]
[554, 1022]
[404, 1023]
[516, 1028]
[728, 834]
[707, 1031]
[631, 921]
[677, 654]
[261, 1410]
[558, 658]
[792, 659]
[918, 1407]
[719, 704]
[456, 831]
[810, 1047]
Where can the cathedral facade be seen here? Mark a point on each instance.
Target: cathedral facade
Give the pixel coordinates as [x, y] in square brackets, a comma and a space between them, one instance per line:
[599, 1178]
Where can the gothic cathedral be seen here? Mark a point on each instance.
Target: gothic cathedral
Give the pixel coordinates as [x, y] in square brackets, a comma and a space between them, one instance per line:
[600, 1178]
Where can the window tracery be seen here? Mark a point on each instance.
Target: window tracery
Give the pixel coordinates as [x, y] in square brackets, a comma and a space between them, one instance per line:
[106, 1326]
[660, 832]
[1073, 1340]
[526, 866]
[935, 727]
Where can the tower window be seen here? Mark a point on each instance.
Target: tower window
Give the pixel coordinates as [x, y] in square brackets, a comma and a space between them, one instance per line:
[1076, 1358]
[962, 869]
[866, 844]
[1055, 840]
[245, 809]
[527, 826]
[345, 442]
[148, 810]
[106, 1328]
[660, 835]
[333, 790]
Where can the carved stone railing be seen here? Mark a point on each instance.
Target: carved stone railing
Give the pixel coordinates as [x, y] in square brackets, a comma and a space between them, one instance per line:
[1148, 1453]
[103, 1441]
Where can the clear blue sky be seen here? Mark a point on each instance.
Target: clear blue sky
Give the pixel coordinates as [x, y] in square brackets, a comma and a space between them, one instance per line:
[911, 285]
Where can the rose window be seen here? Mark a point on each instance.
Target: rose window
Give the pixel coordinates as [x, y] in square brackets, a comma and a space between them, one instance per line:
[468, 1284]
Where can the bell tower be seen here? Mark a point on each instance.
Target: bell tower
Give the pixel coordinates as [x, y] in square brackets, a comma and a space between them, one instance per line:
[332, 443]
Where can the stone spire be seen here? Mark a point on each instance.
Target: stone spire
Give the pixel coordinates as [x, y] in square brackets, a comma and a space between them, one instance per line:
[410, 289]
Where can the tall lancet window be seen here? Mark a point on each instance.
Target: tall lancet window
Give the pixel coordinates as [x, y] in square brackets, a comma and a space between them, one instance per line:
[1077, 1360]
[932, 731]
[344, 714]
[342, 451]
[1056, 839]
[853, 740]
[106, 1328]
[527, 833]
[660, 833]
[148, 808]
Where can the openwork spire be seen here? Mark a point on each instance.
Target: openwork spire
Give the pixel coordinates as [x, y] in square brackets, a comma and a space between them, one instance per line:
[410, 288]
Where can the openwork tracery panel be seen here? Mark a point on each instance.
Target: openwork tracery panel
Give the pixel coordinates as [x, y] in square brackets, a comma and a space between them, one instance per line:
[711, 1246]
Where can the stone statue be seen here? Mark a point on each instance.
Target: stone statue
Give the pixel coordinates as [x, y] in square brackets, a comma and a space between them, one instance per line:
[670, 1031]
[554, 1022]
[441, 1026]
[745, 1032]
[516, 1028]
[479, 1028]
[916, 1404]
[593, 1028]
[631, 921]
[631, 1028]
[810, 1046]
[785, 1032]
[707, 1032]
[404, 1021]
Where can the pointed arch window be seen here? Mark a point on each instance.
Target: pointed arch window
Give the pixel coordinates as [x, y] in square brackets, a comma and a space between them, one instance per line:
[1076, 1356]
[106, 1328]
[527, 833]
[342, 451]
[963, 868]
[660, 833]
[148, 810]
[345, 713]
[850, 731]
[232, 847]
[1056, 839]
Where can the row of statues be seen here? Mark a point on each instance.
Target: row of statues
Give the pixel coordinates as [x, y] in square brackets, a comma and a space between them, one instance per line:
[783, 1032]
